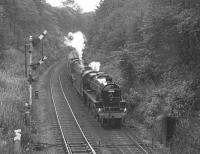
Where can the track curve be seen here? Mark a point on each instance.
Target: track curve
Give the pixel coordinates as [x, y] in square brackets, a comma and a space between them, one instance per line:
[87, 136]
[73, 136]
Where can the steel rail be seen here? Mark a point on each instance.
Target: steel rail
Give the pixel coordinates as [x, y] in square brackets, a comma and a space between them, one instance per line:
[66, 143]
[67, 147]
[136, 142]
[89, 145]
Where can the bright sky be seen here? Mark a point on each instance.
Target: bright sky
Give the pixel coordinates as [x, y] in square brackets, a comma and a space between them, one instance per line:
[86, 5]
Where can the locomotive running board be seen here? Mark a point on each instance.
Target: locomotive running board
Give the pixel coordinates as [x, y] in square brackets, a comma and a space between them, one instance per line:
[90, 96]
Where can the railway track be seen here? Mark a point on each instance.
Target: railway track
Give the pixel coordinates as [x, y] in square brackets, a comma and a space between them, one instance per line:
[124, 143]
[76, 125]
[147, 149]
[116, 141]
[73, 137]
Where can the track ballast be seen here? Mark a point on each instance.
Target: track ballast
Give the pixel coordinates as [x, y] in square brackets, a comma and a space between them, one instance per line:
[74, 139]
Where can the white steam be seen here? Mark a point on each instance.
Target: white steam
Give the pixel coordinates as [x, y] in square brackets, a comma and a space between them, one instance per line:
[95, 65]
[77, 41]
[102, 81]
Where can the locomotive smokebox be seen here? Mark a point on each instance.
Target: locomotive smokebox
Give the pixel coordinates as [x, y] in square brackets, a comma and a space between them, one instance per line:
[102, 85]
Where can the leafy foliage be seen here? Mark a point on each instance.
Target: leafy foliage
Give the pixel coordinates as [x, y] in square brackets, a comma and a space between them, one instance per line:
[30, 17]
[160, 40]
[18, 20]
[157, 44]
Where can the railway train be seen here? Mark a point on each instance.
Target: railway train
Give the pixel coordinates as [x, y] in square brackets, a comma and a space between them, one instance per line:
[99, 92]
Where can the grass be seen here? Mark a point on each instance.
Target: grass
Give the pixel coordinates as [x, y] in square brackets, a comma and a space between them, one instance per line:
[13, 95]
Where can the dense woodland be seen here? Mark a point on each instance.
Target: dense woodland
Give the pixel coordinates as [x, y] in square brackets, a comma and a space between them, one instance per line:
[21, 18]
[151, 47]
[18, 20]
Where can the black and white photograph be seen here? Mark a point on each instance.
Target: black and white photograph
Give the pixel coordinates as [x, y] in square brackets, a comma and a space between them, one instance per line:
[99, 77]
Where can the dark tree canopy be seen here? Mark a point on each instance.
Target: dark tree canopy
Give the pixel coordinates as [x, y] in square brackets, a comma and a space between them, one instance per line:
[20, 18]
[156, 45]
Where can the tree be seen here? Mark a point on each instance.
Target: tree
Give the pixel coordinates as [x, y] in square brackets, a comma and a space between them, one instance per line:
[68, 2]
[72, 4]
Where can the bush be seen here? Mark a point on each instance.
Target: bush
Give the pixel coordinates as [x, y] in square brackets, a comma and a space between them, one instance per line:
[189, 142]
[10, 116]
[13, 91]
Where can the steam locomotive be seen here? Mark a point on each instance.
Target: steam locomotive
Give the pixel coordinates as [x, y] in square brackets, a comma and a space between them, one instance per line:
[99, 92]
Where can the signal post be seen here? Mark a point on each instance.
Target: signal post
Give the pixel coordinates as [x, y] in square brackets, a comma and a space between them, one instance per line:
[30, 44]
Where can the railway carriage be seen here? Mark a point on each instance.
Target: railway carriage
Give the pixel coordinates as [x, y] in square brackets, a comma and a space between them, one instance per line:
[99, 92]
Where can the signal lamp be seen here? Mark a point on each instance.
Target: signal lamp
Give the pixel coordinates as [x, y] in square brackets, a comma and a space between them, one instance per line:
[44, 58]
[99, 109]
[41, 61]
[36, 40]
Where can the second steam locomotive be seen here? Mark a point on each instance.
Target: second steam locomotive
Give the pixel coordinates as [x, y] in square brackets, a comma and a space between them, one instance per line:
[99, 92]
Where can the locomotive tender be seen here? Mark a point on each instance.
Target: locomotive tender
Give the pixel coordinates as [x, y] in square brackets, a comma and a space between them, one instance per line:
[99, 92]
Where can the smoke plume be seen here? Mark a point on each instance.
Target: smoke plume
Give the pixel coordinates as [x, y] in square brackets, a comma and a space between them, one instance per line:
[95, 66]
[77, 41]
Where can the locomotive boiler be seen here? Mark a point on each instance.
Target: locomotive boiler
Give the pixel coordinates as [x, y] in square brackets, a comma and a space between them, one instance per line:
[99, 92]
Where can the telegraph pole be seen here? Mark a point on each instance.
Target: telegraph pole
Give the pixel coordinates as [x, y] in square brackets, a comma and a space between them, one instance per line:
[33, 42]
[30, 79]
[29, 45]
[42, 47]
[25, 59]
